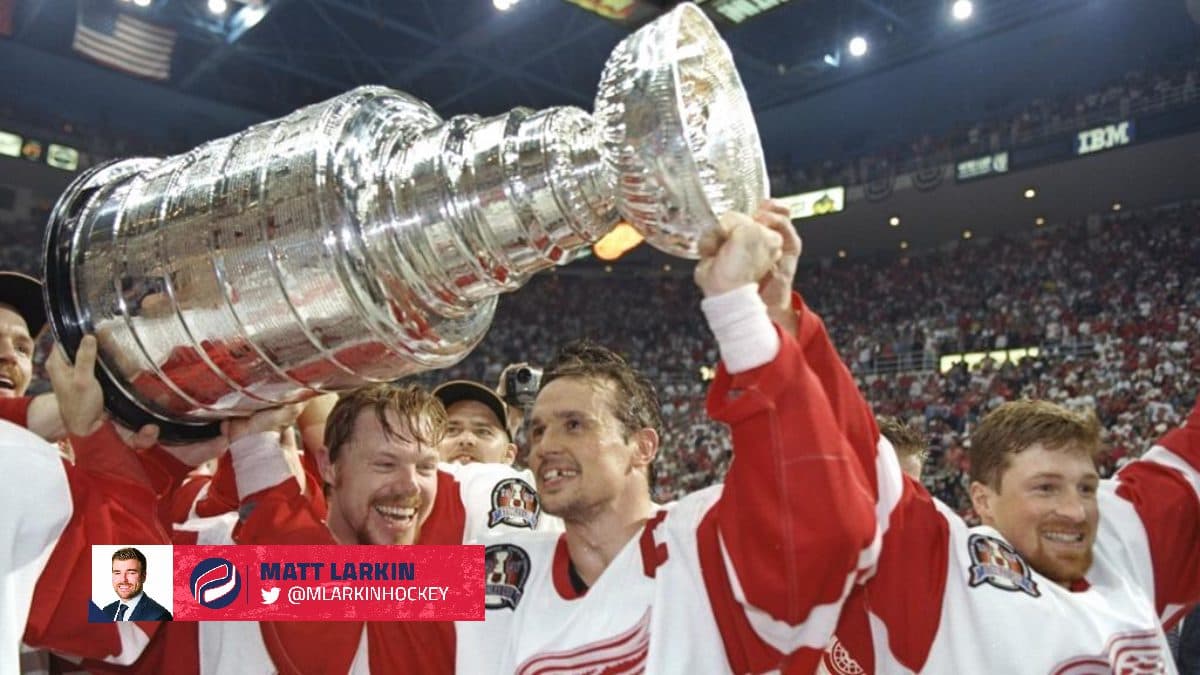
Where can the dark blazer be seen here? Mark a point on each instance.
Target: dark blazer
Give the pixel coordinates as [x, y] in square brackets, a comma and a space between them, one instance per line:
[146, 610]
[1189, 645]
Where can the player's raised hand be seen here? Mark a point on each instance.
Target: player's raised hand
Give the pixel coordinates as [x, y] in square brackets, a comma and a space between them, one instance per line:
[80, 399]
[776, 288]
[270, 419]
[737, 252]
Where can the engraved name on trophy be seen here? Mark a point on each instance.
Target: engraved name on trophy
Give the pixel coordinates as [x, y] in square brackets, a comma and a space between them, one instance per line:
[364, 238]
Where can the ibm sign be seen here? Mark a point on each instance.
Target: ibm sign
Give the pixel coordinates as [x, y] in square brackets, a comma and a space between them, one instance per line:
[1104, 138]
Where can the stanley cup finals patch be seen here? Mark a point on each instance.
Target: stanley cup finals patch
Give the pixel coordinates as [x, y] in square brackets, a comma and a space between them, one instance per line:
[995, 562]
[514, 503]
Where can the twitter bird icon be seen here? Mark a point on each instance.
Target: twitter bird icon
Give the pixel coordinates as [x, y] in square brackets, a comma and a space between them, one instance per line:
[269, 595]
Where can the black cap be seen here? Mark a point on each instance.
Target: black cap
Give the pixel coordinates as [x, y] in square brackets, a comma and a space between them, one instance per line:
[24, 294]
[454, 391]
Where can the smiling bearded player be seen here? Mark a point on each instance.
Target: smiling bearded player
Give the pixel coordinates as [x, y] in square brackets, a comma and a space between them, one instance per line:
[385, 487]
[1068, 574]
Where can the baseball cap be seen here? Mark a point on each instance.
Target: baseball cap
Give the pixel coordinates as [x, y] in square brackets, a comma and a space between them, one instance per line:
[454, 391]
[24, 294]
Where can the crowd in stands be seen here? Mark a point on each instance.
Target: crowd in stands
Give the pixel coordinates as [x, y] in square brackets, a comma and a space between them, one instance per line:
[1137, 93]
[1113, 306]
[22, 249]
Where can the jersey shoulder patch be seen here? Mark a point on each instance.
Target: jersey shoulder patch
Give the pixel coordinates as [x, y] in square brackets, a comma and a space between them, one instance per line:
[996, 563]
[514, 503]
[506, 570]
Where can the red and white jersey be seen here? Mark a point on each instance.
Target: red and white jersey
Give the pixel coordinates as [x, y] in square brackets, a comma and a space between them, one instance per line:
[105, 498]
[952, 599]
[31, 527]
[729, 579]
[472, 500]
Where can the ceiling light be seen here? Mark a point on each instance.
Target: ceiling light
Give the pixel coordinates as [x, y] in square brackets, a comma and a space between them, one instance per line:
[142, 3]
[841, 253]
[903, 245]
[894, 221]
[504, 5]
[217, 7]
[251, 15]
[1030, 193]
[1040, 221]
[858, 45]
[1116, 206]
[967, 234]
[962, 10]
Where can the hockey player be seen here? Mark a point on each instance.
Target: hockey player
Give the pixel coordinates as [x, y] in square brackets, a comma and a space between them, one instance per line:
[1067, 573]
[385, 486]
[729, 579]
[106, 498]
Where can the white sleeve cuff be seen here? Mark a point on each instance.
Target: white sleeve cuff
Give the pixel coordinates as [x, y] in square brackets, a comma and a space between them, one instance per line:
[744, 332]
[258, 463]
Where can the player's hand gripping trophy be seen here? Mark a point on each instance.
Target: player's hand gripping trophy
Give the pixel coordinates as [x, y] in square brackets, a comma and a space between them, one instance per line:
[364, 238]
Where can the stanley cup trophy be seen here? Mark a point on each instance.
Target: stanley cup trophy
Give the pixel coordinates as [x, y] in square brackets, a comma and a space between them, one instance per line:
[364, 238]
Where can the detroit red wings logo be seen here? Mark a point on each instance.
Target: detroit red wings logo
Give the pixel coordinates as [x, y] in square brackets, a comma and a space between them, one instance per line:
[620, 655]
[1139, 653]
[838, 661]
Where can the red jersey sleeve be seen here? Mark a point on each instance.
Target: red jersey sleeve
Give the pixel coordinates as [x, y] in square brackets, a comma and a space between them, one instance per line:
[794, 516]
[1164, 488]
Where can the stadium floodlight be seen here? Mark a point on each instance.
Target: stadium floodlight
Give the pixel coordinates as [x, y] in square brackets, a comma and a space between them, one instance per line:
[218, 7]
[858, 45]
[962, 10]
[250, 15]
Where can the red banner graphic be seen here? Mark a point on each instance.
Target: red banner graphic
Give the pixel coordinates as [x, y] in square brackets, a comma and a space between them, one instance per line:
[329, 583]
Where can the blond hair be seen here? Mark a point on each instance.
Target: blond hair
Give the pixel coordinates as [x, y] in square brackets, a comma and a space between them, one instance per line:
[420, 412]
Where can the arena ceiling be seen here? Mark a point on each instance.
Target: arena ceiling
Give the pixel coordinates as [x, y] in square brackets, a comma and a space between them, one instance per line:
[466, 56]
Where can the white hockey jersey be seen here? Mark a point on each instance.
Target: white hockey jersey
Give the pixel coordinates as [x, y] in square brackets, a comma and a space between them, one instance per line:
[953, 599]
[30, 526]
[729, 579]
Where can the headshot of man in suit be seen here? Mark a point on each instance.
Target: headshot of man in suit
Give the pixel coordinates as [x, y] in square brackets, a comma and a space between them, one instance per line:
[128, 578]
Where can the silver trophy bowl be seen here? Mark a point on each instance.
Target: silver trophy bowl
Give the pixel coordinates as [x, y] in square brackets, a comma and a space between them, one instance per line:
[364, 238]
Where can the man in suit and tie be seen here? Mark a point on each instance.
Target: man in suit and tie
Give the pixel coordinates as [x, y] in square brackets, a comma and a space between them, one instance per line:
[128, 577]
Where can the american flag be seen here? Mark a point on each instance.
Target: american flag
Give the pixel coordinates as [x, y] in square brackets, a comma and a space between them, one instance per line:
[7, 8]
[118, 40]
